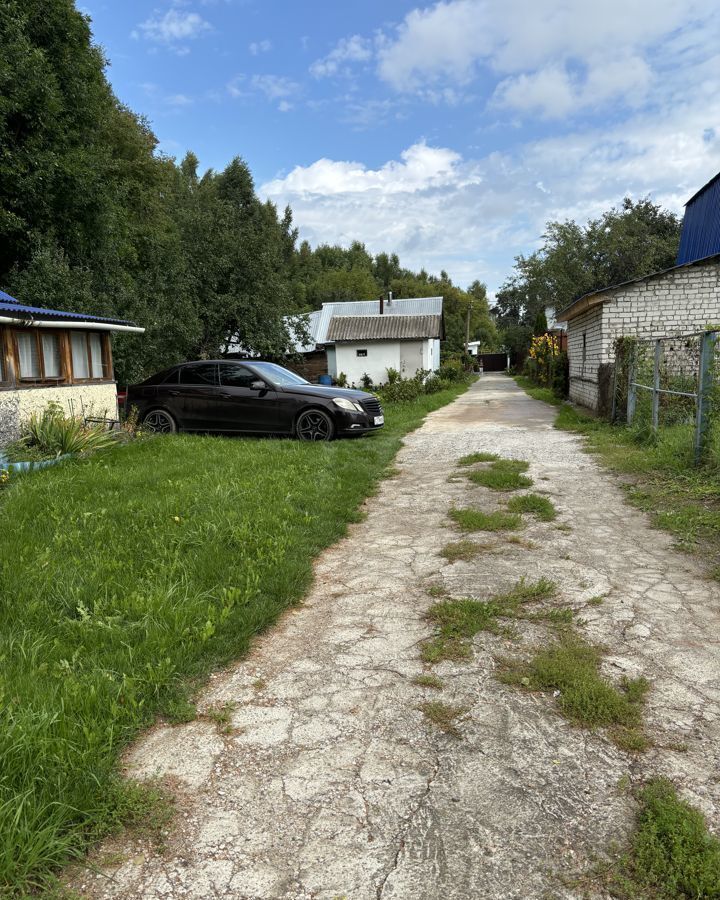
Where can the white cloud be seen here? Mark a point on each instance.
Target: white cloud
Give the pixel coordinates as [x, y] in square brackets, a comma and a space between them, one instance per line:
[178, 100]
[555, 56]
[272, 87]
[348, 50]
[275, 87]
[258, 47]
[172, 28]
[438, 209]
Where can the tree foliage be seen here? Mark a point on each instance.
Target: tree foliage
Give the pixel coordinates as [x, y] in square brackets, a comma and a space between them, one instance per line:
[630, 242]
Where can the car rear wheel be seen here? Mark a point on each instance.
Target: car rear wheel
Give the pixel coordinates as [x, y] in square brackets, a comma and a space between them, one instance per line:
[159, 422]
[314, 425]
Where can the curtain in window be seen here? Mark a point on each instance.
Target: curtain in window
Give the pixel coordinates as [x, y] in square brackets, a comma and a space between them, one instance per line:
[78, 345]
[28, 354]
[96, 355]
[51, 355]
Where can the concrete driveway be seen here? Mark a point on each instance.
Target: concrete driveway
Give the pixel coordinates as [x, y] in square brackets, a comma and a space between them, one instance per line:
[331, 783]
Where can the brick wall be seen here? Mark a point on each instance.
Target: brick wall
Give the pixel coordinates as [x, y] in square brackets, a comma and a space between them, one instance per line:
[683, 300]
[585, 343]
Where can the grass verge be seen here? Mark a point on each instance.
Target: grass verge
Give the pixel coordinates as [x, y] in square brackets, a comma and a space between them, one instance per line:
[571, 667]
[534, 505]
[477, 520]
[458, 621]
[125, 579]
[536, 391]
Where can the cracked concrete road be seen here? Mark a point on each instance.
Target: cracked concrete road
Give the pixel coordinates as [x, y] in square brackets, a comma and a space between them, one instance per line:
[330, 783]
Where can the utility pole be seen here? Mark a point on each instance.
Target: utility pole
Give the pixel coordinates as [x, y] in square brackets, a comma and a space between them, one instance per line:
[467, 326]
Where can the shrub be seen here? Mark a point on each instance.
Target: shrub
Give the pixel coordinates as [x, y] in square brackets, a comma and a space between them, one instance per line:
[451, 370]
[341, 380]
[51, 433]
[393, 375]
[366, 381]
[435, 384]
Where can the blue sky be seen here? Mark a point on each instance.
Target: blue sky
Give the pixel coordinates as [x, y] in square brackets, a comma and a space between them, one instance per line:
[446, 132]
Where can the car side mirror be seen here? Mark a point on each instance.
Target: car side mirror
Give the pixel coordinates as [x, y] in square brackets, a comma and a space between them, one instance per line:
[257, 385]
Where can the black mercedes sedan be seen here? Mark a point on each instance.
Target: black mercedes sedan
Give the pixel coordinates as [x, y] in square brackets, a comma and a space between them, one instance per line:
[261, 397]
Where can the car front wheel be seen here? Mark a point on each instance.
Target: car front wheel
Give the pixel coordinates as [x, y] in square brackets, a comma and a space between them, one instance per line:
[159, 422]
[314, 425]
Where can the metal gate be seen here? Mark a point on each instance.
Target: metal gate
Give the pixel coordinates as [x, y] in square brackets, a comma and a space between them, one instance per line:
[492, 362]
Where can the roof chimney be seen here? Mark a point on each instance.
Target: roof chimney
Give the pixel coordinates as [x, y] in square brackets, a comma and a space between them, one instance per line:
[382, 310]
[389, 298]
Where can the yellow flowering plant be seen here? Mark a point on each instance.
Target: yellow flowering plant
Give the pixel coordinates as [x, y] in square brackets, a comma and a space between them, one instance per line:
[544, 349]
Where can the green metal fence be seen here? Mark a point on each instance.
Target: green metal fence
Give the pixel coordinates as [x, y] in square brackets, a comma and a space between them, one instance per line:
[671, 385]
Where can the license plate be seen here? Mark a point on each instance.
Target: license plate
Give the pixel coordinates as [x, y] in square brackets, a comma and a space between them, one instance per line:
[379, 420]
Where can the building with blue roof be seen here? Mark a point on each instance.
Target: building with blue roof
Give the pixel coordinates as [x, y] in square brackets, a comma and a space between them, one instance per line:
[676, 301]
[50, 355]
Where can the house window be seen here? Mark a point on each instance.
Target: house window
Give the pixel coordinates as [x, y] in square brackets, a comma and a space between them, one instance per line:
[88, 360]
[361, 352]
[38, 356]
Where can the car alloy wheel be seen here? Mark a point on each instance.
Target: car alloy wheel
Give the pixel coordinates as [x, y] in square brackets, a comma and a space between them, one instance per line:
[314, 425]
[159, 422]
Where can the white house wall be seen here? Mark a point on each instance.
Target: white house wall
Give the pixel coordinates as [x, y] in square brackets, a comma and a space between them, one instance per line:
[16, 406]
[679, 302]
[381, 355]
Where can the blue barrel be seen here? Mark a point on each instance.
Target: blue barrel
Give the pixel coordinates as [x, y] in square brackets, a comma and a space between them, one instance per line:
[324, 379]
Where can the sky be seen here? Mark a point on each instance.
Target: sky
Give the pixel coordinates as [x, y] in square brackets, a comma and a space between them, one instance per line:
[449, 132]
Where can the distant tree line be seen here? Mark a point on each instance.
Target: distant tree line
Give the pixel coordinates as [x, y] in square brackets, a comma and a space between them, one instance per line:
[94, 219]
[630, 242]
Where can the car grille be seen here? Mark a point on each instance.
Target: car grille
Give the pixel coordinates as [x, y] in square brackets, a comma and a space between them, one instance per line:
[372, 406]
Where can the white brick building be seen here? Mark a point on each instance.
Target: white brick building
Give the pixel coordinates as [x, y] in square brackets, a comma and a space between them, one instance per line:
[679, 300]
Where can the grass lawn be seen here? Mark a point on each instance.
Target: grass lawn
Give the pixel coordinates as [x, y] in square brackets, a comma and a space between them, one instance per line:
[126, 578]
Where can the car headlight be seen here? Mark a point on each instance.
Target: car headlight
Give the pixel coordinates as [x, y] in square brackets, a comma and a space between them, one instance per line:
[350, 405]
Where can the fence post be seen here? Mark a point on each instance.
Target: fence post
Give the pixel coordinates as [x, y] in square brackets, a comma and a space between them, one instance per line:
[656, 387]
[705, 386]
[632, 391]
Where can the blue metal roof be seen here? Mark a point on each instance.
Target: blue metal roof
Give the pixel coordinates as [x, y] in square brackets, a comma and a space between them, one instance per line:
[9, 304]
[700, 236]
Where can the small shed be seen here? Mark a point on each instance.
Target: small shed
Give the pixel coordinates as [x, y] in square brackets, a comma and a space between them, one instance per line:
[47, 355]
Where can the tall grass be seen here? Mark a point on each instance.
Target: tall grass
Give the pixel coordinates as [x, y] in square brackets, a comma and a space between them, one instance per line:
[124, 579]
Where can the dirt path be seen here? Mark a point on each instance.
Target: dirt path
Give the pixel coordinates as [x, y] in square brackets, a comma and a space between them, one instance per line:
[331, 783]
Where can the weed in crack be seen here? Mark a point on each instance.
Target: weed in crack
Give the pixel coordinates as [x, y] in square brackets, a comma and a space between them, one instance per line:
[443, 715]
[571, 667]
[477, 520]
[458, 621]
[534, 505]
[427, 680]
[502, 475]
[462, 550]
[479, 457]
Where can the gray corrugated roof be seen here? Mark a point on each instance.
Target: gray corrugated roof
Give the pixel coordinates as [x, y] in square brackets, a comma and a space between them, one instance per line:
[377, 328]
[320, 318]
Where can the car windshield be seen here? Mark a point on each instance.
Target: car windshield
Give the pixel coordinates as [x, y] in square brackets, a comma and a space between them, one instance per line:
[278, 375]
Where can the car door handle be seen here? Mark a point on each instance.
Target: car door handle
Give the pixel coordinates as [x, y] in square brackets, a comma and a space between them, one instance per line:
[226, 396]
[174, 393]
